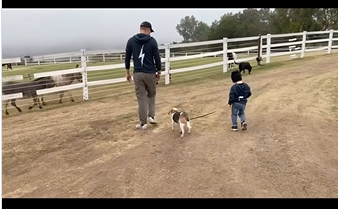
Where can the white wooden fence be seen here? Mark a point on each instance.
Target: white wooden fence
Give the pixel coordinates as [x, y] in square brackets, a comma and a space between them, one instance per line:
[91, 56]
[328, 44]
[15, 60]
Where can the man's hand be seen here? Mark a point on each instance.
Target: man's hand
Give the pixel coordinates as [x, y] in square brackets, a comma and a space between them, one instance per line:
[158, 76]
[128, 76]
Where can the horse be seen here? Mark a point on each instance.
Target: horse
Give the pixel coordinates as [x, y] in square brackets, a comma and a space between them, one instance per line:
[231, 56]
[63, 80]
[28, 90]
[9, 66]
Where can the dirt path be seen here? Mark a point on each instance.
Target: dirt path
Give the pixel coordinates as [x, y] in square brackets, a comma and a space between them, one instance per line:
[92, 150]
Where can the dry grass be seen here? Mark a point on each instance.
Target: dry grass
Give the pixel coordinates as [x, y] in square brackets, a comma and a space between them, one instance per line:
[93, 150]
[332, 86]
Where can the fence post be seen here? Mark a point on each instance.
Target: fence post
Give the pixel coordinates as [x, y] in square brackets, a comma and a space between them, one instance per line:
[302, 54]
[268, 48]
[225, 55]
[84, 75]
[167, 64]
[259, 51]
[329, 49]
[261, 48]
[54, 61]
[70, 59]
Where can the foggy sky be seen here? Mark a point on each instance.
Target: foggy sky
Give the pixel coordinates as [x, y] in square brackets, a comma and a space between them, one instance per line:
[45, 31]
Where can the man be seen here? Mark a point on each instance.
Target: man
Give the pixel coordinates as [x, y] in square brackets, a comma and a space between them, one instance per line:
[144, 50]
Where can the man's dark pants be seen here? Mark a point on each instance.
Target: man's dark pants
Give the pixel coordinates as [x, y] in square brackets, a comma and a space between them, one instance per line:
[145, 89]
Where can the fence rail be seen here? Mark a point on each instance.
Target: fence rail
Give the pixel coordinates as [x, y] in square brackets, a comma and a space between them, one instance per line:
[11, 60]
[259, 47]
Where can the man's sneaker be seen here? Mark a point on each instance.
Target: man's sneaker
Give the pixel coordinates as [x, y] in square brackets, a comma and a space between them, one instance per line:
[234, 128]
[244, 125]
[152, 120]
[141, 126]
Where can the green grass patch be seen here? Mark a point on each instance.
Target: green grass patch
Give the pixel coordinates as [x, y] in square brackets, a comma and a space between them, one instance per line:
[198, 77]
[113, 91]
[118, 73]
[103, 74]
[204, 76]
[31, 69]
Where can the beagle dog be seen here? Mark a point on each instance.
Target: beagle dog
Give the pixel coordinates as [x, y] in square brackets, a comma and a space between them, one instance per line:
[181, 118]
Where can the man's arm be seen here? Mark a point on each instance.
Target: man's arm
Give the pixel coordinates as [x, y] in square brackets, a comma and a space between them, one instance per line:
[157, 57]
[128, 55]
[232, 94]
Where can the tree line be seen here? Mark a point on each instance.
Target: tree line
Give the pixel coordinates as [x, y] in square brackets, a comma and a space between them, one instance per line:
[252, 22]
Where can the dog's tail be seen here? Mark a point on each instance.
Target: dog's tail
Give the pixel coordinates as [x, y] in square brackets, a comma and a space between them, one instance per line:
[235, 62]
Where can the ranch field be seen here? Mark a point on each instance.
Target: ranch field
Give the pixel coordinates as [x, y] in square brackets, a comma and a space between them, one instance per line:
[92, 149]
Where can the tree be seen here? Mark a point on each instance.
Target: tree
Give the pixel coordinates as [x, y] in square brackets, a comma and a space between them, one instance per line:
[250, 22]
[225, 27]
[187, 28]
[279, 20]
[202, 31]
[192, 30]
[213, 30]
[291, 20]
[303, 20]
[327, 18]
[265, 20]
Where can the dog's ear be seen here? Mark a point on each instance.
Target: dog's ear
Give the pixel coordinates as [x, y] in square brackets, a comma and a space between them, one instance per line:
[170, 111]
